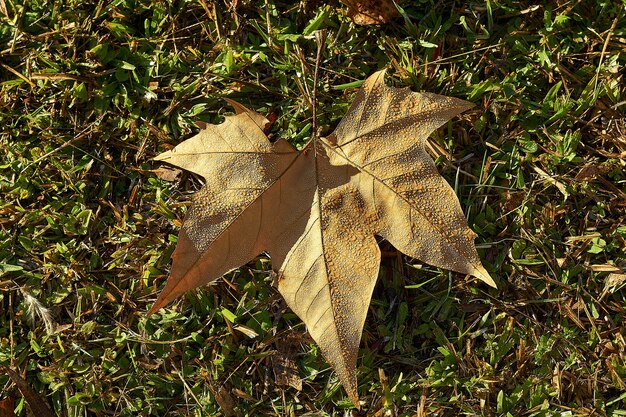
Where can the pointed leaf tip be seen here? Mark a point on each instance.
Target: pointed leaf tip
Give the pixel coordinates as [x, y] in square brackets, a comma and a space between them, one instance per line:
[151, 311]
[482, 274]
[160, 302]
[258, 119]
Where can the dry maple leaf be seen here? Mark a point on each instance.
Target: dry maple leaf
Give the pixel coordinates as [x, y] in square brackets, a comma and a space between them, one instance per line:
[371, 12]
[317, 212]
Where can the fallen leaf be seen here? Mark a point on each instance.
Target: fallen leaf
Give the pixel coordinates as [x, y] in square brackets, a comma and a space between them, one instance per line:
[3, 8]
[371, 12]
[225, 401]
[591, 171]
[167, 173]
[35, 401]
[317, 212]
[7, 407]
[284, 363]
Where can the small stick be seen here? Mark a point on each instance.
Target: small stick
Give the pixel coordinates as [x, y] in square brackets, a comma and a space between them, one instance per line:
[320, 37]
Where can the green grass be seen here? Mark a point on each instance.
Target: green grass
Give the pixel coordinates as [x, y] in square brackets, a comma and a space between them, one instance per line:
[90, 91]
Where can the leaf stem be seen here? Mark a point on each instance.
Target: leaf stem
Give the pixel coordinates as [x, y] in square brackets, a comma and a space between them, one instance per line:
[320, 37]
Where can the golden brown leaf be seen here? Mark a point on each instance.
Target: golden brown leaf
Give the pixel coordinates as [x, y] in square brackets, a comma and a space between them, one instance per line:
[317, 212]
[371, 12]
[284, 362]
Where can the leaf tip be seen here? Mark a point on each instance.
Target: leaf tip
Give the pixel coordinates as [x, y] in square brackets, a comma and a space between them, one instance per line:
[237, 106]
[151, 311]
[163, 156]
[482, 274]
[257, 118]
[158, 304]
[354, 397]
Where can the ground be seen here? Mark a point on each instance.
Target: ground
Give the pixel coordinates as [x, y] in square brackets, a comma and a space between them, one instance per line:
[90, 91]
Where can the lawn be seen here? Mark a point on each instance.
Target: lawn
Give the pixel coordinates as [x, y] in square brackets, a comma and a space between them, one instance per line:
[91, 91]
